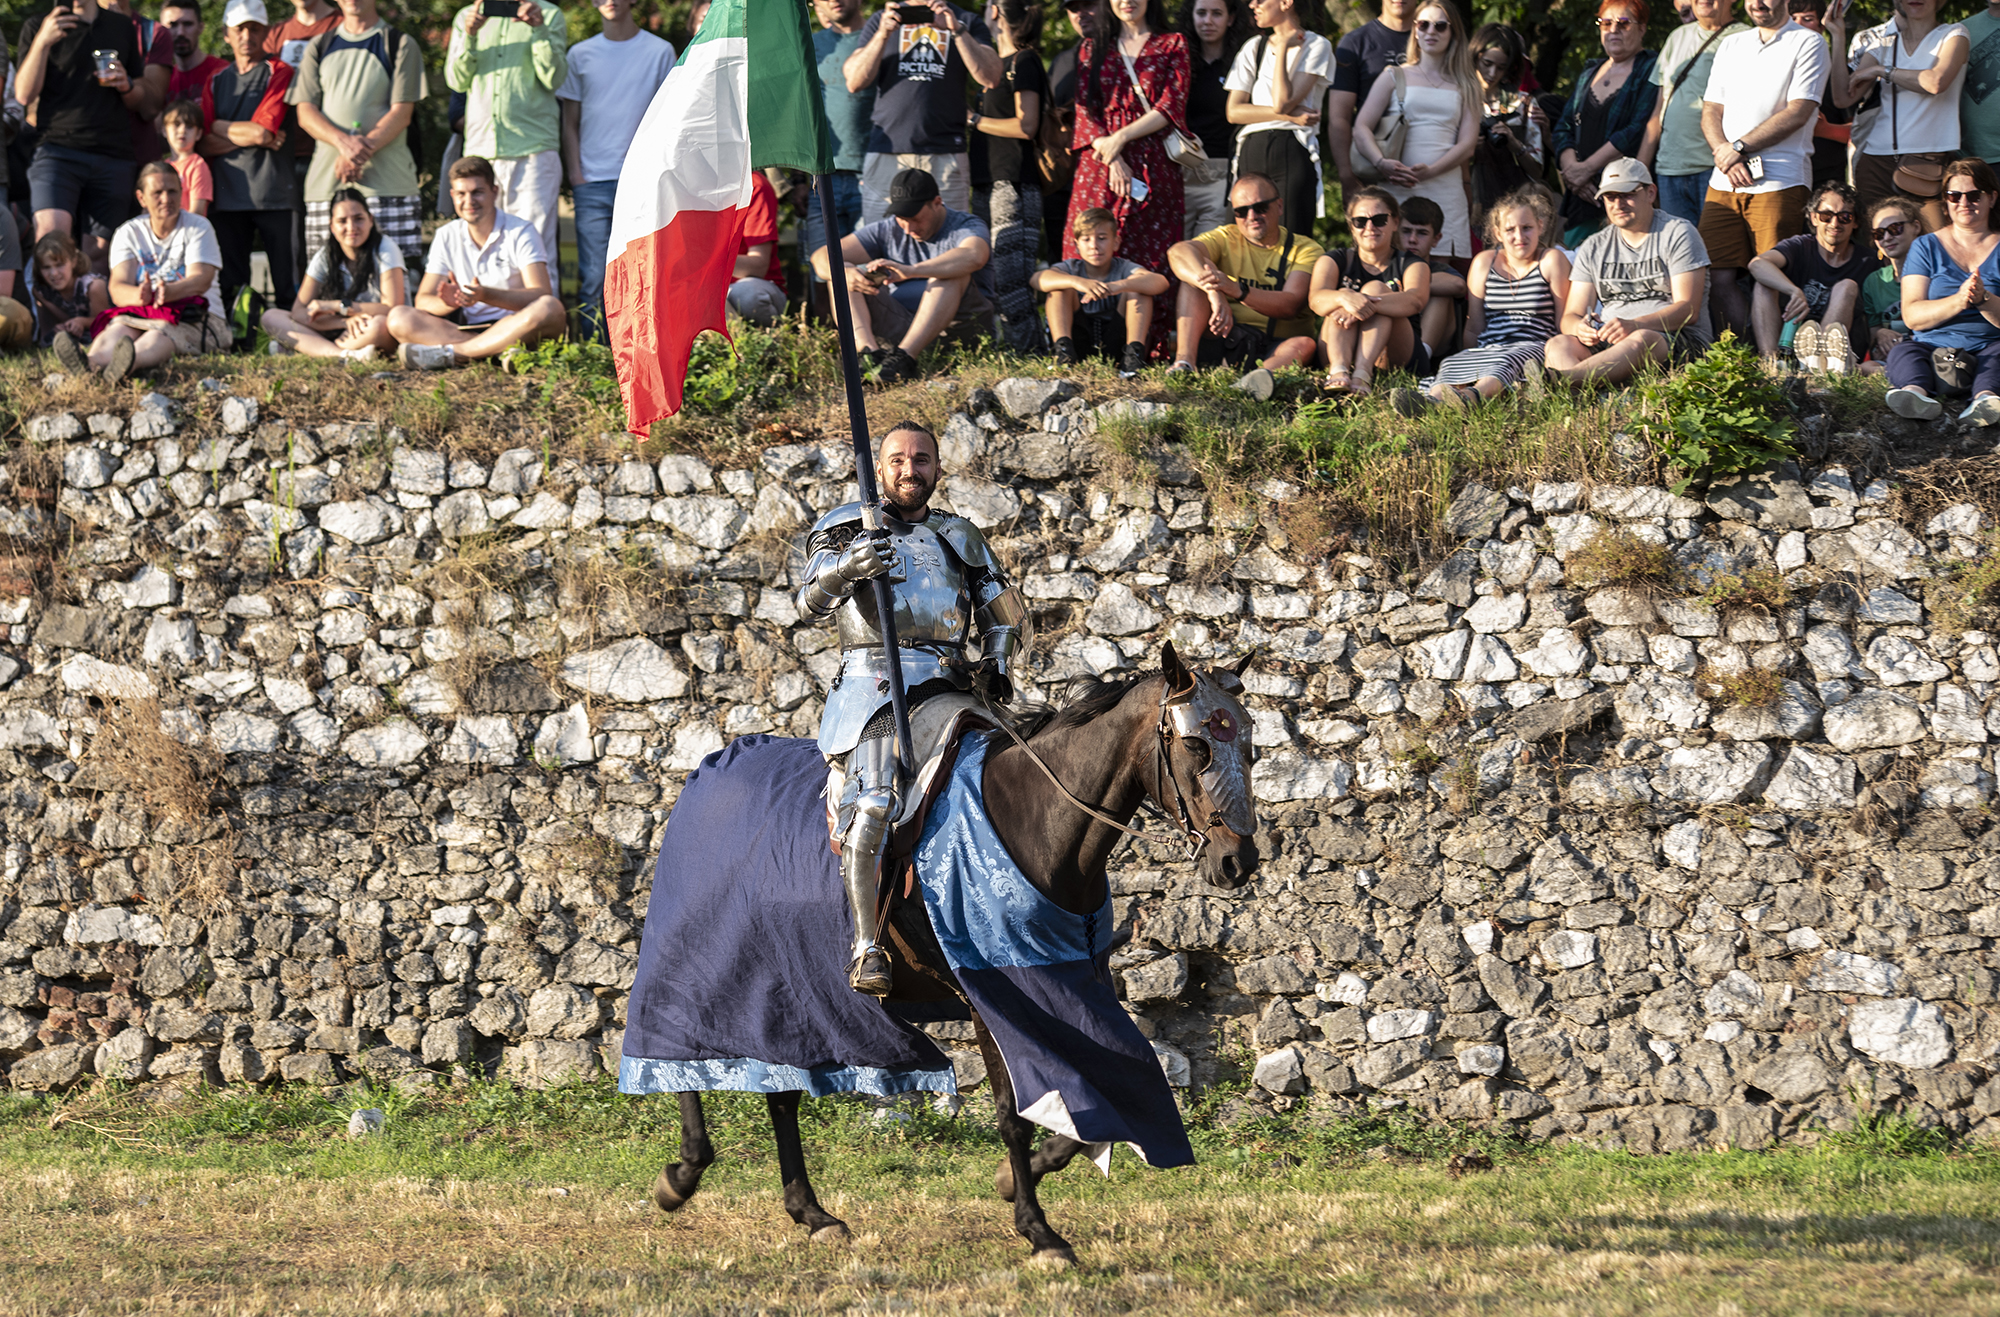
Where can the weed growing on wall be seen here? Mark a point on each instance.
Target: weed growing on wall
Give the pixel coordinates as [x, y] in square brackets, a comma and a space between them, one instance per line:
[1719, 416]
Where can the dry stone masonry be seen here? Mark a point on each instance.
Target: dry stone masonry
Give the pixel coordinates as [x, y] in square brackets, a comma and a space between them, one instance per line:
[1525, 861]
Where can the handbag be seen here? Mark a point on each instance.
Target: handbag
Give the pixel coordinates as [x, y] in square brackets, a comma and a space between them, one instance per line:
[1392, 132]
[1183, 148]
[1918, 176]
[1053, 154]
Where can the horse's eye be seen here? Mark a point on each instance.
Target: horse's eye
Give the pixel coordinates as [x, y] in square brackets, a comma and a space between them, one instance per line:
[1198, 747]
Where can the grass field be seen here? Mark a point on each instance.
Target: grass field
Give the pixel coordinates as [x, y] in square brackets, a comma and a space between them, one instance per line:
[495, 1201]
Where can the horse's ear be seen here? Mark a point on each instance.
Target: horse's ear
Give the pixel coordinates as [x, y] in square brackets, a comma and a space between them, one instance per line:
[1243, 664]
[1176, 672]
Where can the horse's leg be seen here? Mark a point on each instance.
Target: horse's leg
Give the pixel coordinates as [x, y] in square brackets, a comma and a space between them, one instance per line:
[1056, 1152]
[678, 1180]
[800, 1201]
[1017, 1132]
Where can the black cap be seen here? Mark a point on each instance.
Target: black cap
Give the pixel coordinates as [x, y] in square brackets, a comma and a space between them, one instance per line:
[910, 191]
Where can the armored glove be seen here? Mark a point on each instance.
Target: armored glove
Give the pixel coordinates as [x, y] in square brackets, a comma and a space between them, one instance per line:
[868, 556]
[990, 684]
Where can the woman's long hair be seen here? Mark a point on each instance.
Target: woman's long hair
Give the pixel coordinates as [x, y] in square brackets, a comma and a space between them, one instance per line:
[344, 280]
[1091, 90]
[1233, 36]
[1457, 57]
[1023, 21]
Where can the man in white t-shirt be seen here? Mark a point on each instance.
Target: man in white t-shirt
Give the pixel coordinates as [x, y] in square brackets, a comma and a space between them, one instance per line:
[1757, 113]
[486, 282]
[163, 266]
[611, 82]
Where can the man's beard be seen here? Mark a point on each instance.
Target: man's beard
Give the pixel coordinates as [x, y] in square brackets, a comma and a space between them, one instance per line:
[894, 499]
[183, 48]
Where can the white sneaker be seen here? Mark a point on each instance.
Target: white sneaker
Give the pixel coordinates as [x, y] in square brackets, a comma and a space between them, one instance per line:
[278, 349]
[1913, 406]
[1807, 347]
[366, 352]
[1985, 410]
[1258, 384]
[426, 356]
[1834, 347]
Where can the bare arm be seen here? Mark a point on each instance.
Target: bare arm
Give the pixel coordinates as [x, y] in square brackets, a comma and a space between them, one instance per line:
[1027, 117]
[1280, 303]
[968, 256]
[572, 141]
[427, 295]
[1340, 136]
[753, 263]
[1475, 299]
[861, 67]
[1576, 311]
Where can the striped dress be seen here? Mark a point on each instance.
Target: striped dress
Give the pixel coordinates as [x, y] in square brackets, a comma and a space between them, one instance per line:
[1520, 318]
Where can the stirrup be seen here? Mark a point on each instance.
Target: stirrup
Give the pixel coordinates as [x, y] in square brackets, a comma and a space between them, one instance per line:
[869, 972]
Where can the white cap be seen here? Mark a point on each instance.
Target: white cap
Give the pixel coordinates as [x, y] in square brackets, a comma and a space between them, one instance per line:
[245, 11]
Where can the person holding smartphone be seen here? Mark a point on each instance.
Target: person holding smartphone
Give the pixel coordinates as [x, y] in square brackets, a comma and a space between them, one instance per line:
[510, 58]
[83, 166]
[917, 58]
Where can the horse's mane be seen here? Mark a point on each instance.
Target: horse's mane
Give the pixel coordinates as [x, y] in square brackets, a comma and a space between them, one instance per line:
[1085, 698]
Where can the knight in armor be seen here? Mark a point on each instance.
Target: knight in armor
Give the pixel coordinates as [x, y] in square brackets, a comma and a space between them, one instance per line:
[947, 585]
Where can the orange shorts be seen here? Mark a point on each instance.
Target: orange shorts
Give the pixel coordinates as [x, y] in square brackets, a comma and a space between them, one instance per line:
[1736, 226]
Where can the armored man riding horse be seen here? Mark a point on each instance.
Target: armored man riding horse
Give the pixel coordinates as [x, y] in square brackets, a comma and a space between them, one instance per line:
[803, 921]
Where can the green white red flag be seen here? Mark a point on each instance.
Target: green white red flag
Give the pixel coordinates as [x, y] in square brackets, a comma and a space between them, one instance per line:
[744, 95]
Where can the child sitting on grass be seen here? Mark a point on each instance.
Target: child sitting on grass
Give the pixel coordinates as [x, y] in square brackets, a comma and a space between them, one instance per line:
[68, 297]
[1442, 326]
[181, 125]
[1099, 297]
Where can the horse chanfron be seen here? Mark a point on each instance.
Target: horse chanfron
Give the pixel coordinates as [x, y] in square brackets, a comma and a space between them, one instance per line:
[1204, 718]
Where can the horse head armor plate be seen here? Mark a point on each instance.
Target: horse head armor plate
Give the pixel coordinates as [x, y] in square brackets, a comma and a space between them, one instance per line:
[1201, 709]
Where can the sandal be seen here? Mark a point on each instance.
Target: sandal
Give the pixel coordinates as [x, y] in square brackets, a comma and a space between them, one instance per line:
[1337, 381]
[1360, 384]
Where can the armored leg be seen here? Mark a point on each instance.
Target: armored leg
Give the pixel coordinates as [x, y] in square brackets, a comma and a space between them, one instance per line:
[872, 773]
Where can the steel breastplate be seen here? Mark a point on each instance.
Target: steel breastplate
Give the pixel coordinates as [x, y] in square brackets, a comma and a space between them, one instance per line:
[933, 600]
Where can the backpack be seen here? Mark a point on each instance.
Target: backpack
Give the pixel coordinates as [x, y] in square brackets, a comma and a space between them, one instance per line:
[393, 41]
[246, 317]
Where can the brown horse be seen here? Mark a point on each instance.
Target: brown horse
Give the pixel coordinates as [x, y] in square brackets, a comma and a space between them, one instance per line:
[1176, 736]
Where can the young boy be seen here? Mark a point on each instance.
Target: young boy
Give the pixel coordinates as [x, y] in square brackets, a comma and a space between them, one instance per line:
[1105, 300]
[181, 125]
[1443, 323]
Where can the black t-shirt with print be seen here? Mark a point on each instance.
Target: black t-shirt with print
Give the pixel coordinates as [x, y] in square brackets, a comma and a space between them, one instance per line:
[920, 88]
[76, 111]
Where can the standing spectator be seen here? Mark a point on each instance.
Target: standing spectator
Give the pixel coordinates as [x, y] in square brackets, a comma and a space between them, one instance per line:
[255, 186]
[349, 289]
[1083, 15]
[849, 116]
[1906, 79]
[1978, 106]
[68, 295]
[1638, 289]
[355, 92]
[83, 163]
[1948, 282]
[918, 72]
[180, 124]
[156, 46]
[163, 265]
[1441, 106]
[1607, 115]
[753, 294]
[1813, 281]
[1510, 151]
[1357, 62]
[1243, 291]
[1006, 121]
[1681, 158]
[1215, 32]
[1895, 224]
[509, 70]
[287, 42]
[611, 81]
[1757, 115]
[192, 65]
[1372, 296]
[1834, 126]
[1275, 91]
[1131, 93]
[486, 286]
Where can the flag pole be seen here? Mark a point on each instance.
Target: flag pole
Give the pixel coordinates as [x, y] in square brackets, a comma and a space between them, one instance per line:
[864, 464]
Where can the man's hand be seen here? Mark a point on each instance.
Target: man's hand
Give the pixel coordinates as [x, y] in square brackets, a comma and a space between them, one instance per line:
[476, 19]
[1304, 118]
[1220, 318]
[945, 21]
[55, 27]
[886, 271]
[1738, 175]
[529, 13]
[121, 82]
[455, 294]
[1615, 330]
[1213, 282]
[892, 21]
[1796, 306]
[867, 557]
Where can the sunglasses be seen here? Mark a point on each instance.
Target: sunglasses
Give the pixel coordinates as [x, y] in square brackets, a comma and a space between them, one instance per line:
[1834, 216]
[1426, 26]
[1368, 221]
[1619, 198]
[1890, 230]
[1962, 198]
[1613, 24]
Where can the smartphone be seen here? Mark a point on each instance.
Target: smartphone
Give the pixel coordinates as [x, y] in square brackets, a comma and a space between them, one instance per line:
[499, 8]
[1755, 164]
[916, 13]
[1139, 189]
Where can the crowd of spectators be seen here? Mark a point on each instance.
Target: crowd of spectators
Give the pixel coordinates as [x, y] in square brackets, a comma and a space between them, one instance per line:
[1230, 185]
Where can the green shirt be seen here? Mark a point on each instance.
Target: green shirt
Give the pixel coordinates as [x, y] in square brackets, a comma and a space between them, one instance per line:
[357, 81]
[509, 71]
[1979, 100]
[1683, 149]
[1882, 300]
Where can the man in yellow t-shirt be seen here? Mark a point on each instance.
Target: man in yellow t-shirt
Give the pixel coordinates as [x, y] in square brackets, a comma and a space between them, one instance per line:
[1243, 289]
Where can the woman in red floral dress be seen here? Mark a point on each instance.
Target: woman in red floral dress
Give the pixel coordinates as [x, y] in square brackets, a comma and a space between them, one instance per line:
[1120, 140]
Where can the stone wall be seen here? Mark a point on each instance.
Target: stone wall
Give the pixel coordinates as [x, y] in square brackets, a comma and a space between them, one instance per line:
[1529, 857]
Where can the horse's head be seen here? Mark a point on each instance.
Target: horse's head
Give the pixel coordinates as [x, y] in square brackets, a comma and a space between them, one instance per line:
[1205, 735]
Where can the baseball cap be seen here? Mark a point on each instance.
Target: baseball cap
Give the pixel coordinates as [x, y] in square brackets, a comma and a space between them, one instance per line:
[1624, 175]
[910, 191]
[245, 11]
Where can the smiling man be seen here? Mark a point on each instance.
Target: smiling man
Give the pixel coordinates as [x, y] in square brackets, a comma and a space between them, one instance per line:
[1242, 298]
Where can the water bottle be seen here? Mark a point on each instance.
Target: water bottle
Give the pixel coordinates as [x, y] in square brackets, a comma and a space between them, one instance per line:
[1787, 334]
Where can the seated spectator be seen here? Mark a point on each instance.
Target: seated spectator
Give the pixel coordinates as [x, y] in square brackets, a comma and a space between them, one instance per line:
[1442, 327]
[181, 126]
[353, 283]
[1948, 302]
[1650, 271]
[1243, 290]
[1517, 285]
[486, 282]
[1813, 281]
[752, 294]
[17, 323]
[1895, 223]
[1371, 295]
[163, 268]
[913, 276]
[68, 295]
[1100, 298]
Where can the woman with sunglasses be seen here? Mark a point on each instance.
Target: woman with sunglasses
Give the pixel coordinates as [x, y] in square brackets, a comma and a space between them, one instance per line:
[1813, 280]
[1905, 79]
[1131, 92]
[1275, 91]
[1441, 105]
[1370, 296]
[1606, 116]
[1894, 223]
[1948, 301]
[1215, 32]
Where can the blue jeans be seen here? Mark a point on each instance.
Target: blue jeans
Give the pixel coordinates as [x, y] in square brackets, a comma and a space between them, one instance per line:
[1681, 195]
[846, 212]
[593, 243]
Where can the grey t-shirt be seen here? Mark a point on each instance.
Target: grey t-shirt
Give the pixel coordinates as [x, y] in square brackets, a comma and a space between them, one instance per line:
[1103, 306]
[885, 240]
[1637, 281]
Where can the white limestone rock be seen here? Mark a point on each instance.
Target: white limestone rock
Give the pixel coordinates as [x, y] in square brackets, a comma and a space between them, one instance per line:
[636, 671]
[1811, 780]
[1900, 1031]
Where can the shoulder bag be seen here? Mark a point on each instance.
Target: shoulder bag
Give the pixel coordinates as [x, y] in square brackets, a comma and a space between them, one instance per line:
[1392, 131]
[1183, 147]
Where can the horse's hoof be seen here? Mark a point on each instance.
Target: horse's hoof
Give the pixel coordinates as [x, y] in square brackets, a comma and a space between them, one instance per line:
[836, 1233]
[664, 1193]
[1003, 1180]
[1054, 1259]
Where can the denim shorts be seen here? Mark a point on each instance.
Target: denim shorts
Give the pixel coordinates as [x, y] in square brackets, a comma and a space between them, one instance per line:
[97, 188]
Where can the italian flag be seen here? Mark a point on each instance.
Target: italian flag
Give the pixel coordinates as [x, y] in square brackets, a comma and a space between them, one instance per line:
[744, 95]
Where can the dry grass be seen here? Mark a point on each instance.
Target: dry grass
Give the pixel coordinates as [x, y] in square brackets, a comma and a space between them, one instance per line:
[1763, 590]
[1752, 688]
[1617, 557]
[134, 754]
